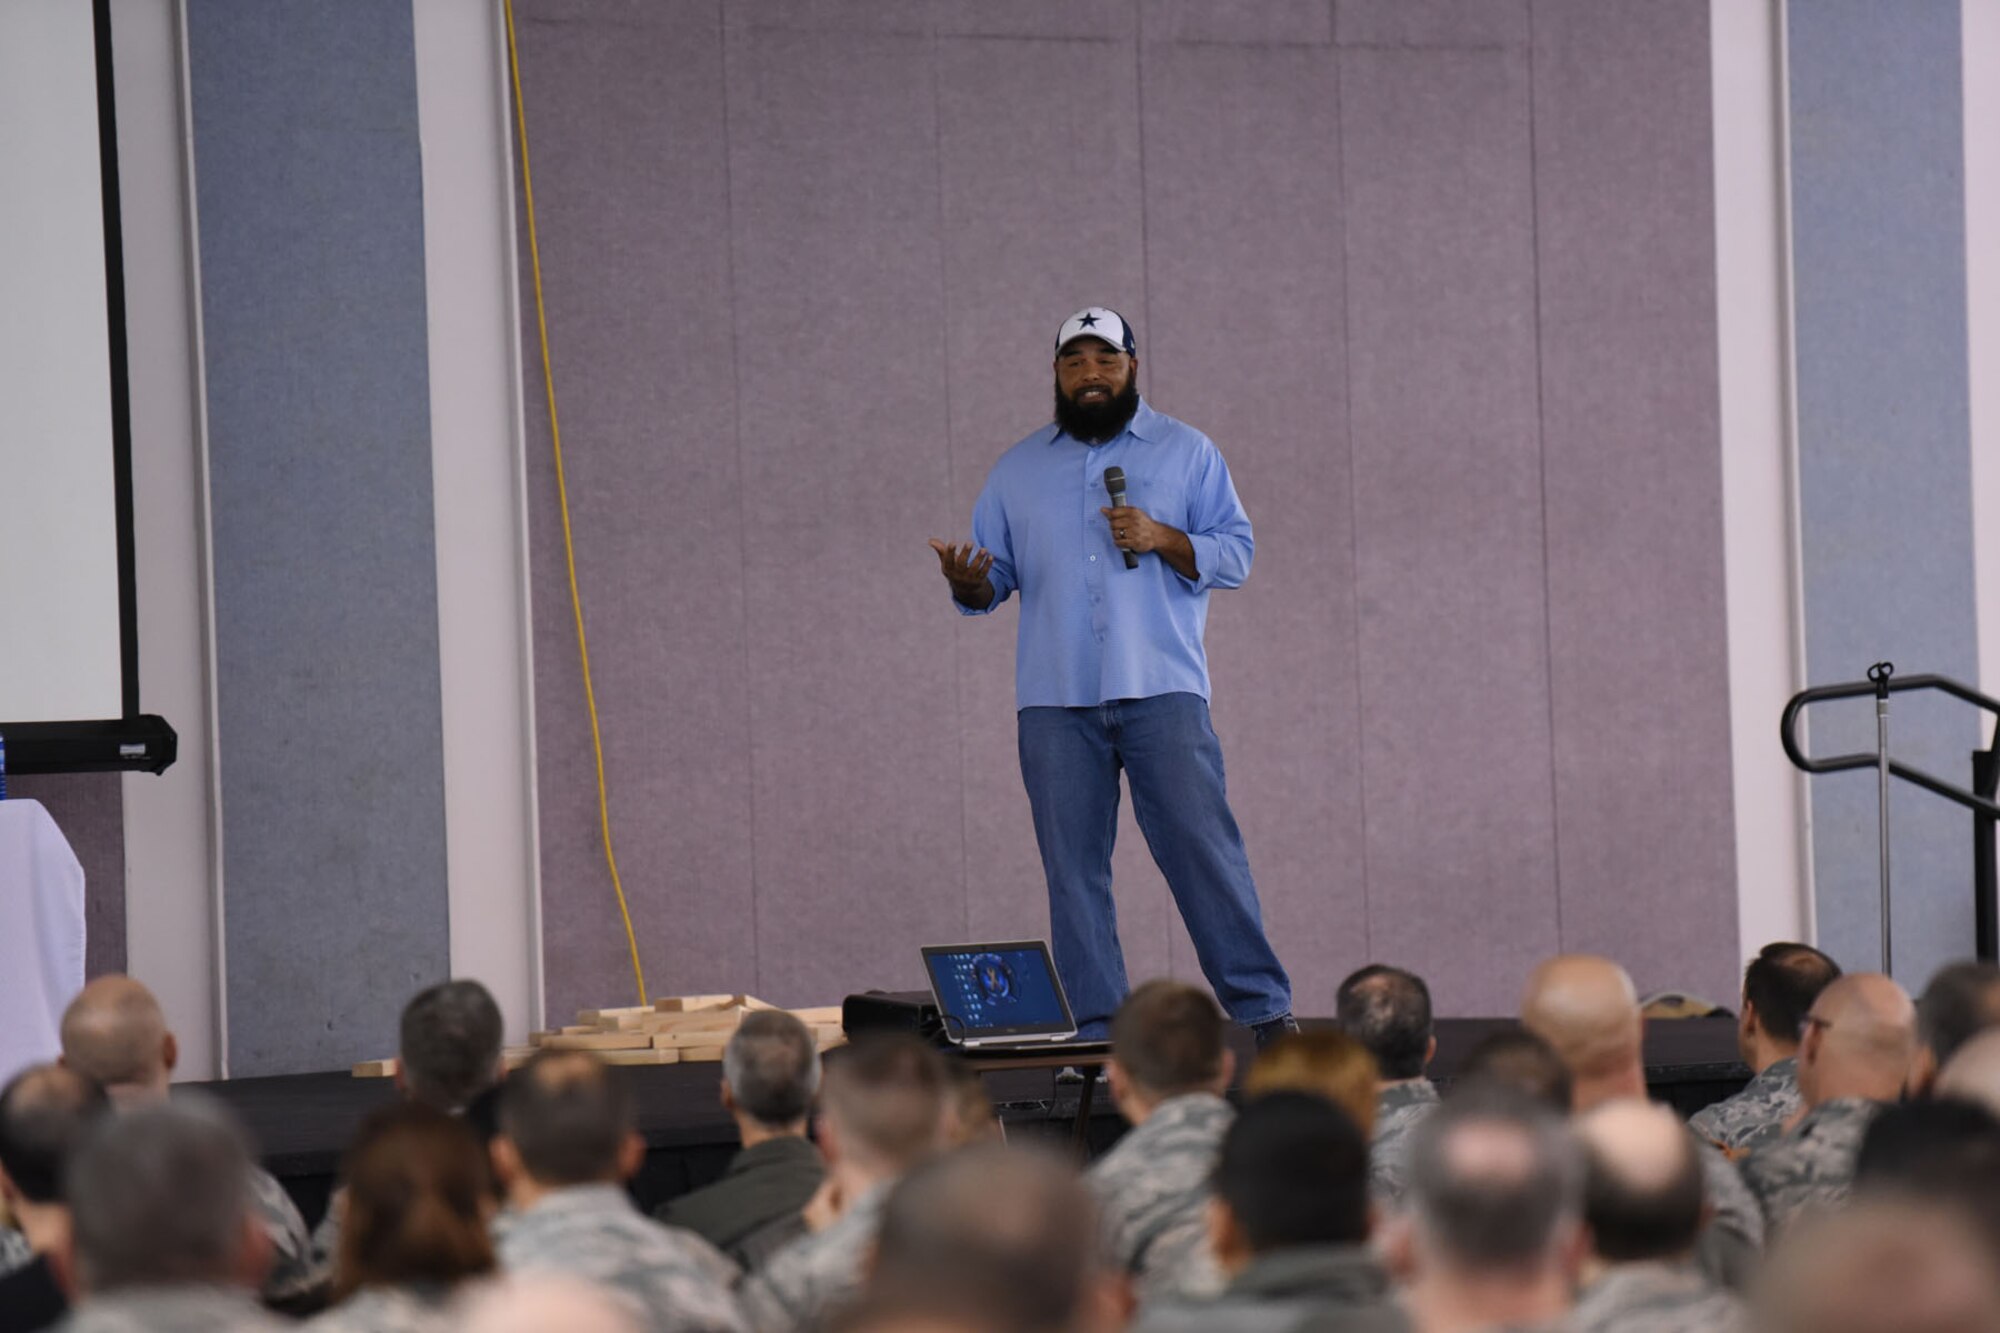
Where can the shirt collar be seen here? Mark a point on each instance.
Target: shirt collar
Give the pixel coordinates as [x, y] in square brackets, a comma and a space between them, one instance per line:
[1146, 424]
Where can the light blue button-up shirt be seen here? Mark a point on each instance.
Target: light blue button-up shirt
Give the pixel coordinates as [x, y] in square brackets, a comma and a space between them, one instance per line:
[1091, 629]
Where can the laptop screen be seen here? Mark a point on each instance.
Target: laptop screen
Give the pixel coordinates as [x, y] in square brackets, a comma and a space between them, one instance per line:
[997, 990]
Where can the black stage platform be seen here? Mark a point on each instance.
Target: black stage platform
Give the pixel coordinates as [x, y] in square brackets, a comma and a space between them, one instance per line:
[302, 1122]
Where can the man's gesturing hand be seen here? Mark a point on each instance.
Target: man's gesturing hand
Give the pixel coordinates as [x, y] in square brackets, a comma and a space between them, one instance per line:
[965, 568]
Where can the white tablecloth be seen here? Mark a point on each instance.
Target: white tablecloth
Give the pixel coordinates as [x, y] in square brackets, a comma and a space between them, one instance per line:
[41, 934]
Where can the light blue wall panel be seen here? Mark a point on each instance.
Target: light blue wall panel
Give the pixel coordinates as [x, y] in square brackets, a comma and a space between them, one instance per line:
[309, 188]
[1878, 219]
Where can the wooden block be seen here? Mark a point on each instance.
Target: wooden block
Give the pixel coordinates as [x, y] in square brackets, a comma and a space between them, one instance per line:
[701, 1017]
[813, 1018]
[688, 1004]
[643, 1057]
[695, 1055]
[752, 1002]
[600, 1018]
[683, 1040]
[375, 1069]
[600, 1041]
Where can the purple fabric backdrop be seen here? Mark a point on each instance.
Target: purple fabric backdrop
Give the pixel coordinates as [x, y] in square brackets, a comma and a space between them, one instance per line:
[1442, 291]
[89, 808]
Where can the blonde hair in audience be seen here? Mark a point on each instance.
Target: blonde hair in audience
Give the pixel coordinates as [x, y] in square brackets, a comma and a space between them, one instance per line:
[1327, 1063]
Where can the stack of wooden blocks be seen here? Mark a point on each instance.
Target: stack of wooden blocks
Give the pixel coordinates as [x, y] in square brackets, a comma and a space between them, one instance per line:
[683, 1029]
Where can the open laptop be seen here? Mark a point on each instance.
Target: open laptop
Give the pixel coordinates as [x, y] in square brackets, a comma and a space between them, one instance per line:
[1000, 997]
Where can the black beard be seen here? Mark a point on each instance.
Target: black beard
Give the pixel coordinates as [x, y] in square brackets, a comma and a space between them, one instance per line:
[1097, 423]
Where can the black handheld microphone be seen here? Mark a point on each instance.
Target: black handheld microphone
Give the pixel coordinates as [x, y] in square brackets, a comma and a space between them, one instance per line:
[1114, 482]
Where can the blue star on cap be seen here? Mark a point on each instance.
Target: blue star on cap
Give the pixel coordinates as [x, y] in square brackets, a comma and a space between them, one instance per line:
[1088, 321]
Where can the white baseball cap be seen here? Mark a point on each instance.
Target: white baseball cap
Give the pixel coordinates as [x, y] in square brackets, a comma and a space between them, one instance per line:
[1098, 322]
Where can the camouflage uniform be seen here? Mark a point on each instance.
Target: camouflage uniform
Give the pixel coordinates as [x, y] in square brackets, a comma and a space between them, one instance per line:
[1399, 1109]
[1298, 1289]
[1755, 1116]
[1152, 1189]
[678, 1281]
[1730, 1243]
[292, 1268]
[1656, 1298]
[1813, 1166]
[15, 1252]
[411, 1309]
[189, 1309]
[816, 1274]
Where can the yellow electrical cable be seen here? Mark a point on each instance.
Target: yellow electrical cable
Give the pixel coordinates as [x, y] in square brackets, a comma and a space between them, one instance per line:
[562, 494]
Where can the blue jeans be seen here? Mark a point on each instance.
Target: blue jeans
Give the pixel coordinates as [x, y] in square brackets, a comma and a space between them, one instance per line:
[1070, 759]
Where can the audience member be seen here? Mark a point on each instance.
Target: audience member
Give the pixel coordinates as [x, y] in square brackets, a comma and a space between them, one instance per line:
[448, 1058]
[1962, 1000]
[1588, 1011]
[45, 1111]
[566, 1146]
[1779, 988]
[969, 1114]
[540, 1302]
[415, 1222]
[1289, 1227]
[449, 1051]
[115, 1033]
[770, 1075]
[1388, 1010]
[992, 1234]
[1644, 1206]
[1325, 1063]
[1169, 1069]
[1516, 1061]
[1973, 1073]
[1942, 1151]
[1493, 1235]
[1859, 1039]
[882, 1112]
[1878, 1267]
[165, 1236]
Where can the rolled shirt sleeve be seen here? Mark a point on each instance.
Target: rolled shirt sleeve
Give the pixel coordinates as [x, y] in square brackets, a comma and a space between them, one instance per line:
[1219, 529]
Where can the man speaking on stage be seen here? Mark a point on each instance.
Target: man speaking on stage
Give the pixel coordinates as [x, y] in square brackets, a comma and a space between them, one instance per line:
[1113, 523]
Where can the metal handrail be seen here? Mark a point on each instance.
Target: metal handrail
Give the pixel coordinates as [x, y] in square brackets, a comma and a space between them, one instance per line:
[1978, 798]
[1788, 732]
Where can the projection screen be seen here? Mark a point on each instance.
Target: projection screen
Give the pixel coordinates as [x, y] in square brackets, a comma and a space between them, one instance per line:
[68, 659]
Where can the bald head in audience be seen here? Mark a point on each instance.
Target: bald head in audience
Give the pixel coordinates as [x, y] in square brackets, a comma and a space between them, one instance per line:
[1493, 1234]
[1586, 1008]
[565, 1121]
[1643, 1197]
[114, 1034]
[1858, 1041]
[1880, 1267]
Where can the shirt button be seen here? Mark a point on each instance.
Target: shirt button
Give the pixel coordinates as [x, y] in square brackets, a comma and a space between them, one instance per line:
[1093, 560]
